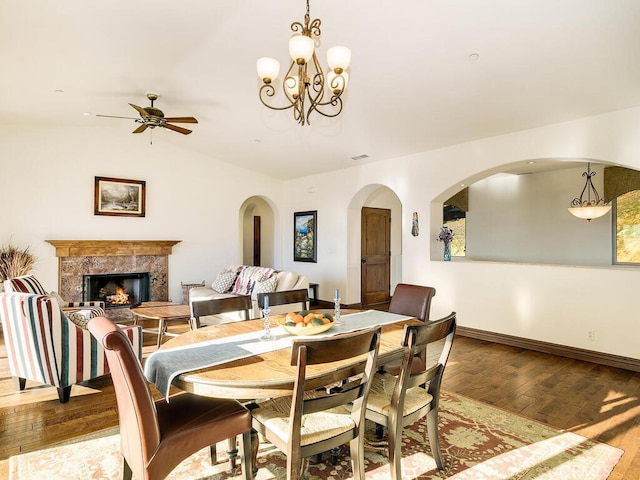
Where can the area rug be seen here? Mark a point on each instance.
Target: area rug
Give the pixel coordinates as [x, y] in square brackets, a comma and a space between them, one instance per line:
[478, 442]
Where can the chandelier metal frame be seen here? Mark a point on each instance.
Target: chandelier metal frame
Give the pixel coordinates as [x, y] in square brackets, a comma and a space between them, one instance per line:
[305, 82]
[589, 208]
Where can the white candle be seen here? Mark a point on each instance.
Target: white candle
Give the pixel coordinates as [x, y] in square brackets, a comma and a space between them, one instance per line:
[266, 302]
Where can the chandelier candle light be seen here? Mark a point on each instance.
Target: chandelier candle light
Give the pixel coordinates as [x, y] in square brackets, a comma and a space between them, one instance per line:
[589, 208]
[305, 80]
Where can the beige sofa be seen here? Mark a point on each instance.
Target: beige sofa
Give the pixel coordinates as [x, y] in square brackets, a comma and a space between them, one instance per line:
[249, 280]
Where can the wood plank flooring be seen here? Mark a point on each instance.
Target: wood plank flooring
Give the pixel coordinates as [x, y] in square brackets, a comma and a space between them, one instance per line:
[600, 403]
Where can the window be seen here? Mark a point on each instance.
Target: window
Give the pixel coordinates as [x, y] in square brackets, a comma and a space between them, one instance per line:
[455, 219]
[627, 216]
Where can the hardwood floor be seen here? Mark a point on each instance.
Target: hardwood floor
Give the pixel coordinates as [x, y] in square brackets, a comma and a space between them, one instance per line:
[600, 403]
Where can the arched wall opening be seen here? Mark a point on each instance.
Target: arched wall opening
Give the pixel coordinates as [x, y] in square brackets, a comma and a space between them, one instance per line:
[375, 196]
[270, 241]
[517, 212]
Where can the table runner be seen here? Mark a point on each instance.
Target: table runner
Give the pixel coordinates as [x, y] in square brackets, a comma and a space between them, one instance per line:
[163, 365]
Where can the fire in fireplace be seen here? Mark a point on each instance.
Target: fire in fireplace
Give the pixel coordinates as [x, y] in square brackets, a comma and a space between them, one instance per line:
[117, 290]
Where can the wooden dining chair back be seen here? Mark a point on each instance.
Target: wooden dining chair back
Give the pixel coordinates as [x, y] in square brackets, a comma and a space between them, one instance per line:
[286, 297]
[398, 401]
[331, 418]
[216, 306]
[413, 301]
[156, 436]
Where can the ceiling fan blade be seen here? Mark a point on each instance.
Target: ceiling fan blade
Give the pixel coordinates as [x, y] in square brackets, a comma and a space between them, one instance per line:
[181, 130]
[140, 110]
[181, 120]
[140, 129]
[114, 116]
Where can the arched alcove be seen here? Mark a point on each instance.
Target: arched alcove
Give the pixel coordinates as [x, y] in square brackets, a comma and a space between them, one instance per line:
[375, 196]
[269, 238]
[517, 212]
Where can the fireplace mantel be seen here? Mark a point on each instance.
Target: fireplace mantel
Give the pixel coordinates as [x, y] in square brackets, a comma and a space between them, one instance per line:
[77, 258]
[108, 248]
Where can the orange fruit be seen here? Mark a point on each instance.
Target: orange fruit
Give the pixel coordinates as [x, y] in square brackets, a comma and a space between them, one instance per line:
[309, 317]
[298, 318]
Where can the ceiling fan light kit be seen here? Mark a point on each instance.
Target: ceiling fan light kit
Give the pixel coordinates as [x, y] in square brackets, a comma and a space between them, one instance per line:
[152, 117]
[305, 80]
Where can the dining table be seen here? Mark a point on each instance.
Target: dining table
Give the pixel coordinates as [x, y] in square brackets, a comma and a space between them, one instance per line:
[231, 361]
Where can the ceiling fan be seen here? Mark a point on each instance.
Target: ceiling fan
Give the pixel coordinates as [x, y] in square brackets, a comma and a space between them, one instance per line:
[152, 117]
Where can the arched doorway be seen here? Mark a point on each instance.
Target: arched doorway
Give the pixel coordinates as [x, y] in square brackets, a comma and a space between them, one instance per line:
[258, 233]
[378, 197]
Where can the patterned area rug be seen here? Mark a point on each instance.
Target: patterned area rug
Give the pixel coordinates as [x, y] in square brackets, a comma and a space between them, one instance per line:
[478, 442]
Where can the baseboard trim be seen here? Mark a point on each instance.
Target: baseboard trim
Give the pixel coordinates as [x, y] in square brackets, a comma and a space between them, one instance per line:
[600, 358]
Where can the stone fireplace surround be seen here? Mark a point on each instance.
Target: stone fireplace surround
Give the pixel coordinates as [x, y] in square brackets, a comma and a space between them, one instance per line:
[89, 257]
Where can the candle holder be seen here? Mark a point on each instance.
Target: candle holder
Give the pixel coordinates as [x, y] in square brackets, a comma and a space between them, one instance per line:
[336, 311]
[267, 326]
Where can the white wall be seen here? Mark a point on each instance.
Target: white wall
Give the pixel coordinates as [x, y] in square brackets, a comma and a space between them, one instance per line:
[553, 303]
[46, 189]
[46, 192]
[524, 218]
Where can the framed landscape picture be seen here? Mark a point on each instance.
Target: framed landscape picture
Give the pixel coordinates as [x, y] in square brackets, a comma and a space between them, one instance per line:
[305, 236]
[119, 197]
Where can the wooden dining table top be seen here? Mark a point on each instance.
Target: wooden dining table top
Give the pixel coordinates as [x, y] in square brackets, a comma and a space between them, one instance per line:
[268, 374]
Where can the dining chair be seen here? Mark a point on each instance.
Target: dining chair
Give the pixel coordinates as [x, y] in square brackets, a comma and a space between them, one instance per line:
[413, 301]
[155, 436]
[310, 422]
[286, 297]
[216, 306]
[46, 345]
[398, 401]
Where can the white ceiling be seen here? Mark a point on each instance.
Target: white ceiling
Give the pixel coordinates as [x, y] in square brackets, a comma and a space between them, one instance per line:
[412, 86]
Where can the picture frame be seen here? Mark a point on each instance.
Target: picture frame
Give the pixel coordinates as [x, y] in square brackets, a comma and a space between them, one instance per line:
[119, 197]
[305, 236]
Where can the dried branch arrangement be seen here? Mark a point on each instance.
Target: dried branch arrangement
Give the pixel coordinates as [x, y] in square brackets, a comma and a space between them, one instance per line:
[15, 262]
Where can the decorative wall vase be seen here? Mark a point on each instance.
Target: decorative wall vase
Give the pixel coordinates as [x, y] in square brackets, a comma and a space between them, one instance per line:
[447, 251]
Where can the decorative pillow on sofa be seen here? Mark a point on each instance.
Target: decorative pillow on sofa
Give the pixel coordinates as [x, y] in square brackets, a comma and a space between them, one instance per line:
[267, 285]
[287, 280]
[247, 278]
[186, 287]
[224, 281]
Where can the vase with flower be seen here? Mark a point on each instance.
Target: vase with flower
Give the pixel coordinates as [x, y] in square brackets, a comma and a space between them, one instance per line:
[446, 236]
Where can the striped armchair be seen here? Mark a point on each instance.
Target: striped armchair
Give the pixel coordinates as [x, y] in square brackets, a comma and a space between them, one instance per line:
[43, 345]
[30, 284]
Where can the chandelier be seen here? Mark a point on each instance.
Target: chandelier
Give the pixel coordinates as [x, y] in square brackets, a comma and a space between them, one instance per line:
[306, 88]
[589, 208]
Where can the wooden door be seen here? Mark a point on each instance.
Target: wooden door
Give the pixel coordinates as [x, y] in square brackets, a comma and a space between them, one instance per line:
[256, 241]
[375, 256]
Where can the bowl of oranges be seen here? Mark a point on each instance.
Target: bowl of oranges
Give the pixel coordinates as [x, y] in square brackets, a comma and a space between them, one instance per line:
[306, 323]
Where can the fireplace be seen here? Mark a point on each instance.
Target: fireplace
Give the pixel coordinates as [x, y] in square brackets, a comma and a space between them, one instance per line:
[117, 290]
